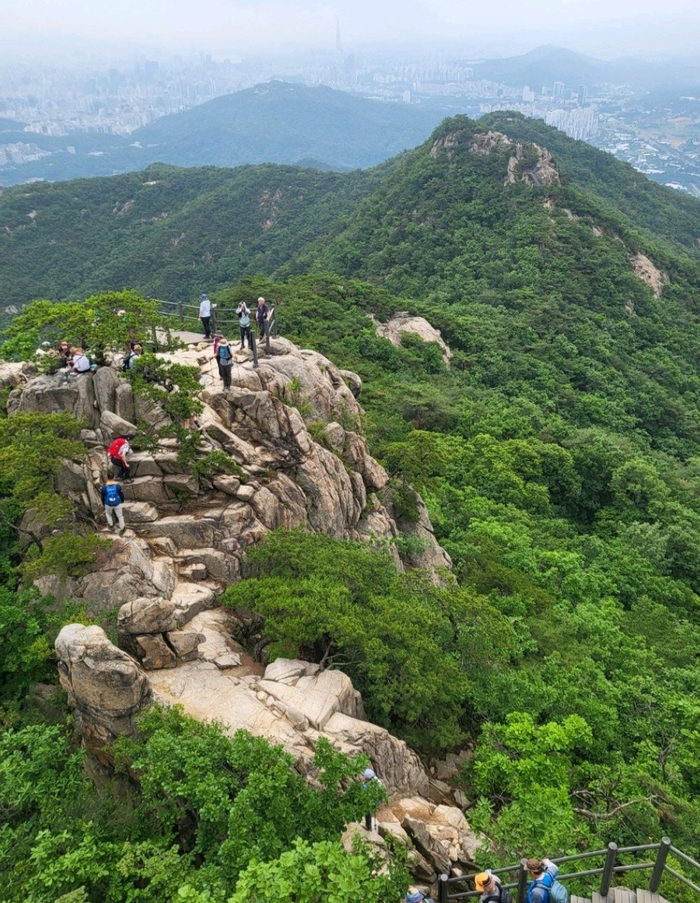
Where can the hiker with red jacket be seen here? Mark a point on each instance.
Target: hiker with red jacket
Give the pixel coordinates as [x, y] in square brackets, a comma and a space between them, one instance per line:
[117, 453]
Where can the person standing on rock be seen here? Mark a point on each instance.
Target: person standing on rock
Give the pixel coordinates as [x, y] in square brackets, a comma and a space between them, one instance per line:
[113, 499]
[117, 453]
[205, 314]
[261, 313]
[218, 339]
[369, 777]
[225, 359]
[244, 324]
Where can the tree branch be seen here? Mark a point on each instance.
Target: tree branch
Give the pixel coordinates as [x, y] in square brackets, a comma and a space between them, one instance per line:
[586, 813]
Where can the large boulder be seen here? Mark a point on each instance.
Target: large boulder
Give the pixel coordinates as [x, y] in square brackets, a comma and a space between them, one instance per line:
[106, 688]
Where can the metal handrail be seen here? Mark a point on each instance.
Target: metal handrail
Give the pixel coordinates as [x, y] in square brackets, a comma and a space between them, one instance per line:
[684, 857]
[658, 867]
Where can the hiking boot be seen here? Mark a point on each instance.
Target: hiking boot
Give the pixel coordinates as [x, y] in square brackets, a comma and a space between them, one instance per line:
[121, 531]
[110, 528]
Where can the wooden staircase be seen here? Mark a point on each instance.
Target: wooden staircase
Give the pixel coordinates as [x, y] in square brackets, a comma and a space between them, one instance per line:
[622, 895]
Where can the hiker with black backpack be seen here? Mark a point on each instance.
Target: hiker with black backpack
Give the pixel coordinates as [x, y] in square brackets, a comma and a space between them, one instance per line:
[224, 358]
[112, 496]
[489, 886]
[544, 887]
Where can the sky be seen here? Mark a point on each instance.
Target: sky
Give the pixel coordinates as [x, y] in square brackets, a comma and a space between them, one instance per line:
[610, 26]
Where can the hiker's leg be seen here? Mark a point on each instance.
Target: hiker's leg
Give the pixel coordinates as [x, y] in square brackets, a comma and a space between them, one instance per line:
[119, 511]
[108, 515]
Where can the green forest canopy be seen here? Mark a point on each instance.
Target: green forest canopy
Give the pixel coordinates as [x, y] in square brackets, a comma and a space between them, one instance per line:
[558, 456]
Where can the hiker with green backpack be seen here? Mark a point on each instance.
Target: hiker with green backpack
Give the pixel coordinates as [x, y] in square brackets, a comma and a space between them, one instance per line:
[544, 887]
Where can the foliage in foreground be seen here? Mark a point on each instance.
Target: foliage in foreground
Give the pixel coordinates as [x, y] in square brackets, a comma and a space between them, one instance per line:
[207, 808]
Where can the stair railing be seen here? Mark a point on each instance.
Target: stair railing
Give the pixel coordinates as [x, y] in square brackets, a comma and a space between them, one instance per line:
[609, 868]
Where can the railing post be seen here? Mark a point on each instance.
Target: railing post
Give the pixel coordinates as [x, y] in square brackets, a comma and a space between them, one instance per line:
[180, 311]
[213, 318]
[442, 889]
[660, 864]
[608, 869]
[254, 348]
[267, 331]
[522, 882]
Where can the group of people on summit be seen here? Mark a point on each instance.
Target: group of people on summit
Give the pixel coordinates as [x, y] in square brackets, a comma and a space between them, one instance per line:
[261, 315]
[543, 886]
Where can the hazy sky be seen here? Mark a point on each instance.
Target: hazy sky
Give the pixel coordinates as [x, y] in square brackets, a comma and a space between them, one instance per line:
[242, 25]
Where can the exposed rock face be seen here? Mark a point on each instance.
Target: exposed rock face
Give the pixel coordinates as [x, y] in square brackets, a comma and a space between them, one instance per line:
[404, 323]
[106, 688]
[648, 273]
[186, 530]
[486, 142]
[541, 172]
[187, 539]
[292, 703]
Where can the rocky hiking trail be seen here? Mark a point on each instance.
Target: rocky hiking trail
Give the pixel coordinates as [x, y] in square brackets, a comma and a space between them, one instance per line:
[186, 540]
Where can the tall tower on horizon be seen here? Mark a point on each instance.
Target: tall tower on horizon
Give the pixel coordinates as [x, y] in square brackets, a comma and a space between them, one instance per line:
[338, 44]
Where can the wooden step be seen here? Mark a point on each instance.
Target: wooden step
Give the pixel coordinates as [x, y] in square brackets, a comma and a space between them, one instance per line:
[646, 896]
[623, 895]
[596, 898]
[575, 899]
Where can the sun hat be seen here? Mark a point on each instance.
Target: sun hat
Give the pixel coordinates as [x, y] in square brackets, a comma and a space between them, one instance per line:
[481, 880]
[414, 896]
[369, 774]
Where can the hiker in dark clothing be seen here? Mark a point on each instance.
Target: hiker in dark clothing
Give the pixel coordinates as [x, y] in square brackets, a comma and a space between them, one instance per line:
[261, 313]
[112, 496]
[225, 360]
[489, 886]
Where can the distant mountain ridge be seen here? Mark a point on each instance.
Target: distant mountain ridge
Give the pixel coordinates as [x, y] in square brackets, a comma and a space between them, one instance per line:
[275, 122]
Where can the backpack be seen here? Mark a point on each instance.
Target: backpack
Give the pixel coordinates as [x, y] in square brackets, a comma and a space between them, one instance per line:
[112, 497]
[115, 448]
[126, 361]
[556, 892]
[501, 895]
[225, 355]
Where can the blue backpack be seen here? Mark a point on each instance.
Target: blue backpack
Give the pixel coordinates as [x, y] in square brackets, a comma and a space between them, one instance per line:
[555, 890]
[112, 497]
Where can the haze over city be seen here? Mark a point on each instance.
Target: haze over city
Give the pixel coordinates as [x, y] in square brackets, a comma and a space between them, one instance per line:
[245, 26]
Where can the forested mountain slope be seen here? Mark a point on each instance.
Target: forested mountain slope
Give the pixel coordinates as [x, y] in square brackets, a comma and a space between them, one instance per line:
[558, 455]
[167, 232]
[275, 122]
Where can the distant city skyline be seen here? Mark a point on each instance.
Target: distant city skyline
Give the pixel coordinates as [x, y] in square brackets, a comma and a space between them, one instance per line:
[607, 27]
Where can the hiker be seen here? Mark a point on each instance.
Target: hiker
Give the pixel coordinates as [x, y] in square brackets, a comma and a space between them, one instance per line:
[131, 355]
[368, 776]
[244, 323]
[215, 351]
[544, 887]
[261, 313]
[113, 498]
[205, 314]
[415, 896]
[225, 361]
[63, 355]
[117, 453]
[78, 364]
[489, 886]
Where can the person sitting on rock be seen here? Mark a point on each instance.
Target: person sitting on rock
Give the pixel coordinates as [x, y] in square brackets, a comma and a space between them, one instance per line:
[63, 355]
[117, 453]
[113, 499]
[80, 362]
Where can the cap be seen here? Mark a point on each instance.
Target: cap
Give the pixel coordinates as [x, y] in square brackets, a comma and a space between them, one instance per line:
[414, 896]
[203, 296]
[261, 298]
[369, 774]
[534, 865]
[481, 880]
